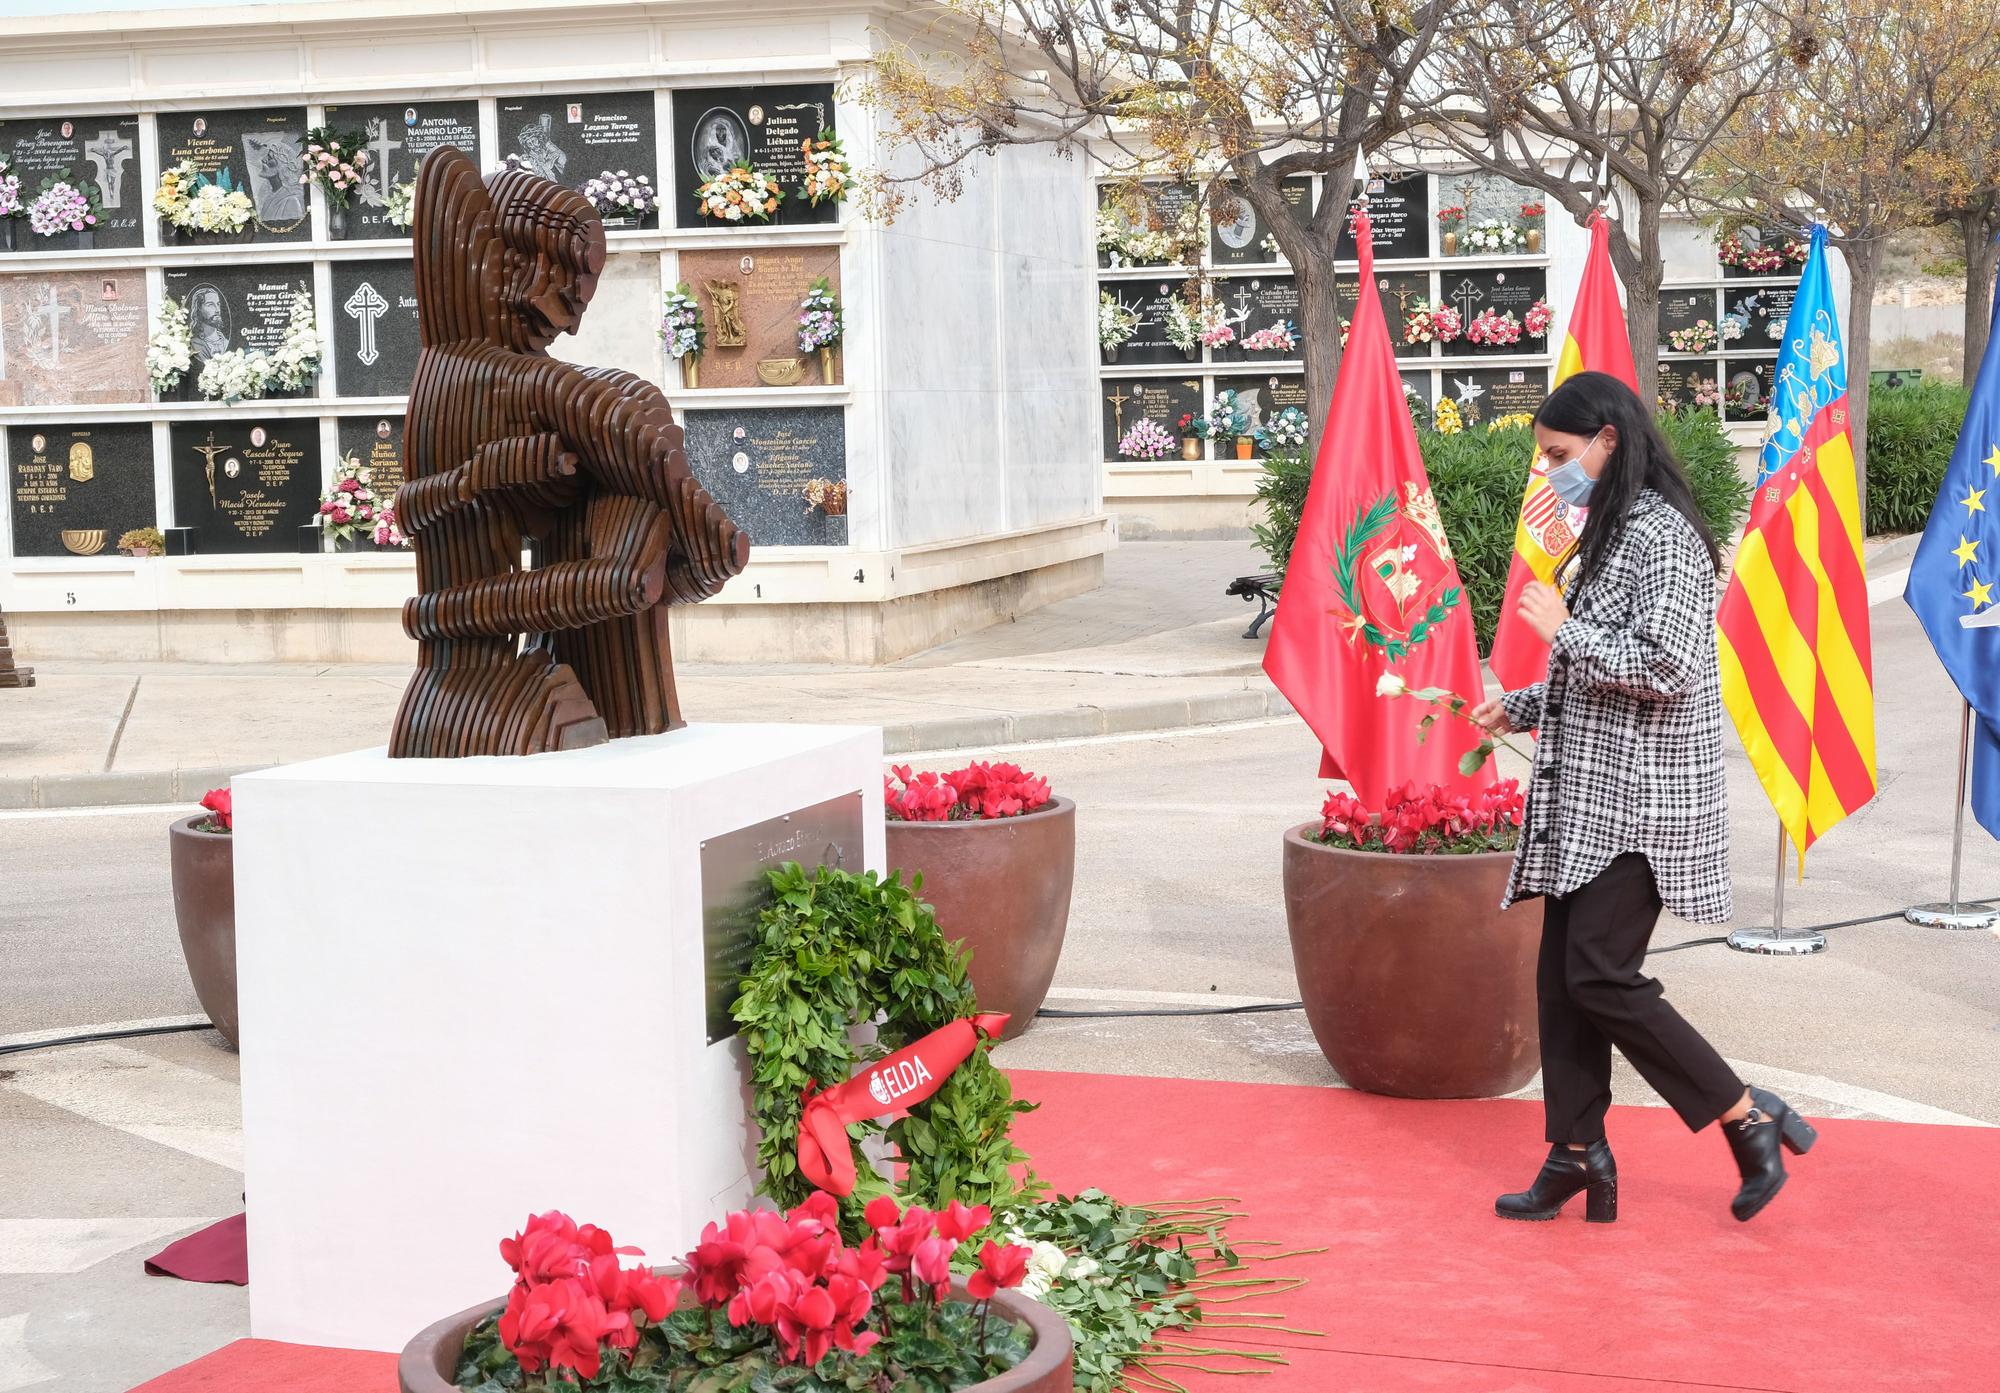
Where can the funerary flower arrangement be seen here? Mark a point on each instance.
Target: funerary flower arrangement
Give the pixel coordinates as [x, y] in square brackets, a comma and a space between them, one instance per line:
[1217, 332]
[1183, 325]
[297, 358]
[621, 195]
[1538, 319]
[1285, 431]
[1147, 439]
[1278, 338]
[240, 374]
[1228, 418]
[741, 193]
[1431, 323]
[10, 191]
[827, 171]
[170, 350]
[336, 161]
[680, 323]
[350, 507]
[401, 210]
[1116, 322]
[1492, 235]
[193, 203]
[1698, 337]
[62, 206]
[1760, 258]
[820, 322]
[1494, 329]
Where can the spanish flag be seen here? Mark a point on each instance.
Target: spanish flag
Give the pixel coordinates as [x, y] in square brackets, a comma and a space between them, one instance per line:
[1797, 675]
[1597, 341]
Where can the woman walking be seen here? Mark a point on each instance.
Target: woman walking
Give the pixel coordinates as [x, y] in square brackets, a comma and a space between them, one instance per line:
[1626, 809]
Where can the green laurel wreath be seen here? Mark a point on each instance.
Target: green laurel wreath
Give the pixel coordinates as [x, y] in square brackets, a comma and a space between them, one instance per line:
[1370, 524]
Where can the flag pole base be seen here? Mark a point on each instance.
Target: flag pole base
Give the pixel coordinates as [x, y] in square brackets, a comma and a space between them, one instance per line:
[1788, 942]
[1952, 916]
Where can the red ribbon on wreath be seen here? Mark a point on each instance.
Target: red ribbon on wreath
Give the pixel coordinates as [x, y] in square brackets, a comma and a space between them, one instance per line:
[894, 1084]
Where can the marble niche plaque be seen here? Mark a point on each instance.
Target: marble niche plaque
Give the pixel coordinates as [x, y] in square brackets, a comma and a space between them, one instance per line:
[245, 484]
[102, 151]
[1399, 218]
[756, 462]
[750, 307]
[1127, 400]
[73, 338]
[1490, 198]
[258, 151]
[235, 307]
[1236, 230]
[1679, 309]
[1761, 311]
[1509, 291]
[1747, 385]
[1252, 303]
[1154, 206]
[374, 327]
[78, 489]
[377, 442]
[573, 138]
[397, 137]
[715, 127]
[1486, 394]
[1264, 397]
[1400, 290]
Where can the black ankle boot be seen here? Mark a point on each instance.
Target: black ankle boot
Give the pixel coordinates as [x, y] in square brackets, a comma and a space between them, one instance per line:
[1755, 1141]
[1563, 1174]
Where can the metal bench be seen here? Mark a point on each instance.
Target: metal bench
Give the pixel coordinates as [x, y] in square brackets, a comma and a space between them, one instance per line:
[1263, 590]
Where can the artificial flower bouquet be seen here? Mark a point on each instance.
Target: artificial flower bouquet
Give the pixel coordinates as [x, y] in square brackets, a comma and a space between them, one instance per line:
[401, 208]
[1228, 418]
[189, 202]
[170, 350]
[1492, 235]
[1697, 337]
[10, 192]
[1538, 319]
[1116, 322]
[827, 170]
[1183, 325]
[821, 326]
[681, 327]
[827, 495]
[741, 193]
[336, 161]
[1284, 432]
[620, 195]
[1494, 329]
[1278, 338]
[765, 1301]
[1432, 322]
[977, 791]
[350, 507]
[63, 205]
[1147, 439]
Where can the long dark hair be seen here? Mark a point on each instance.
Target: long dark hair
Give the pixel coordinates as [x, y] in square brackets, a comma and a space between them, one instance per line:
[1584, 405]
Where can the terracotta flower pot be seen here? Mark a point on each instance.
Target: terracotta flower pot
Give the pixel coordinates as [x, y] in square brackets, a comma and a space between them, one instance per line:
[205, 908]
[1245, 447]
[430, 1361]
[1002, 887]
[1415, 982]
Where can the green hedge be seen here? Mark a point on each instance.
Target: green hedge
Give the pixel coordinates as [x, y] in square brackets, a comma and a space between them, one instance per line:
[1911, 434]
[1478, 476]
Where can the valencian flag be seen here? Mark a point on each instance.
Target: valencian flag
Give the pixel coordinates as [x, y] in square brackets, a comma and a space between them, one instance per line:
[1597, 341]
[1371, 587]
[1955, 580]
[1797, 674]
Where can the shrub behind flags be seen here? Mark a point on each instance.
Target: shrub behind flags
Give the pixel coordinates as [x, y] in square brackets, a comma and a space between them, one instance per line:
[1371, 587]
[1954, 581]
[1596, 341]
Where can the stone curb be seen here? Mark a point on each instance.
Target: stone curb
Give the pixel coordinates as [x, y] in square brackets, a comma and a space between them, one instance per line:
[945, 733]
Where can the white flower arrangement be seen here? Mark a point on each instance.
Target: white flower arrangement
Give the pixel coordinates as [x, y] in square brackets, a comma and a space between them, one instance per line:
[240, 374]
[680, 323]
[170, 350]
[1116, 322]
[297, 359]
[827, 170]
[1268, 244]
[741, 193]
[1492, 236]
[10, 191]
[1183, 325]
[401, 210]
[621, 194]
[191, 203]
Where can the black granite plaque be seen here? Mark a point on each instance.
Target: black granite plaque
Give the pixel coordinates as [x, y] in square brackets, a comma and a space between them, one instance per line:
[715, 127]
[235, 307]
[1747, 385]
[1265, 395]
[1485, 394]
[1687, 382]
[1250, 303]
[1679, 309]
[1127, 400]
[756, 462]
[575, 138]
[77, 489]
[1756, 315]
[99, 151]
[1399, 217]
[1152, 300]
[244, 484]
[396, 137]
[1155, 207]
[377, 442]
[374, 328]
[1510, 291]
[1420, 385]
[257, 151]
[1238, 234]
[1400, 291]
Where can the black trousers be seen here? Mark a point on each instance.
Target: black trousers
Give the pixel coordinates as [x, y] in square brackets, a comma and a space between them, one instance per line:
[1593, 996]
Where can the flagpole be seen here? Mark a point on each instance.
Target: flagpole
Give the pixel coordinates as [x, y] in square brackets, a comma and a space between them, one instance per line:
[1955, 914]
[1774, 939]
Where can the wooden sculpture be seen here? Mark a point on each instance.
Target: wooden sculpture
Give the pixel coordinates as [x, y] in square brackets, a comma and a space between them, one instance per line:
[10, 675]
[507, 449]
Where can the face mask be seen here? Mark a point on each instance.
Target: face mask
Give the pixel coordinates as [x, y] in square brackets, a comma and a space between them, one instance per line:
[1571, 484]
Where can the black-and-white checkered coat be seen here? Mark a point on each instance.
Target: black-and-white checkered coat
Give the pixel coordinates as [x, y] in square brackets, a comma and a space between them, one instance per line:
[1630, 752]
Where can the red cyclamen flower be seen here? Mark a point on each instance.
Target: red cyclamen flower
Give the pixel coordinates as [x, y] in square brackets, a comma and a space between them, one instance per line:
[1000, 1266]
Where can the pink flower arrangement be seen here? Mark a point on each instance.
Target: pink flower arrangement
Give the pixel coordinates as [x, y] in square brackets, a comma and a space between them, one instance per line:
[1427, 822]
[1538, 319]
[1279, 338]
[62, 207]
[1429, 323]
[1763, 258]
[335, 161]
[1217, 334]
[977, 791]
[1494, 329]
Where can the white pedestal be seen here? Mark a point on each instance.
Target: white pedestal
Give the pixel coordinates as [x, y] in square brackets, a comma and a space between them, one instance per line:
[471, 989]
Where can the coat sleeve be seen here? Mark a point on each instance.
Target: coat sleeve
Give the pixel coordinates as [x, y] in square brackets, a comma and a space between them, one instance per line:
[1660, 651]
[1524, 705]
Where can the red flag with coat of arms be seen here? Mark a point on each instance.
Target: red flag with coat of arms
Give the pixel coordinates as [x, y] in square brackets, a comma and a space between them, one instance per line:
[1372, 588]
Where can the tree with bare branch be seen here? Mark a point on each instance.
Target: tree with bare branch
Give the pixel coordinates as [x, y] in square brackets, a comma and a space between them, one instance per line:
[1225, 98]
[1968, 202]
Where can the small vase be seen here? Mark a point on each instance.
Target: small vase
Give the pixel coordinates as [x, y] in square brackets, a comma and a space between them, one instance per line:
[86, 239]
[1534, 240]
[1111, 355]
[6, 234]
[1245, 447]
[691, 372]
[1191, 448]
[336, 220]
[1451, 244]
[826, 366]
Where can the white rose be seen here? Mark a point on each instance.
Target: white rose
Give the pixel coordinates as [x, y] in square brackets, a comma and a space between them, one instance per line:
[1390, 684]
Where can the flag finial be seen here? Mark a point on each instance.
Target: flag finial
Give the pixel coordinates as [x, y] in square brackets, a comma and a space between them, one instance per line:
[1361, 176]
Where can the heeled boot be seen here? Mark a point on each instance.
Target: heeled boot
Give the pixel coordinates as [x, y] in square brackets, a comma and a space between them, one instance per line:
[1755, 1140]
[1564, 1174]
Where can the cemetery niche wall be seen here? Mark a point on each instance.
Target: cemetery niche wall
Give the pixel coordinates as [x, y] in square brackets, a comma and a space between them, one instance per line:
[396, 137]
[98, 156]
[77, 489]
[764, 128]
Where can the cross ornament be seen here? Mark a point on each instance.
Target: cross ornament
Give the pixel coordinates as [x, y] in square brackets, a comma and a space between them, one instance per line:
[1465, 297]
[53, 311]
[379, 148]
[110, 152]
[364, 307]
[1118, 400]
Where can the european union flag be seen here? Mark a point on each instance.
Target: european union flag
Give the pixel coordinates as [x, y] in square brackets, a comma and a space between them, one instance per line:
[1954, 582]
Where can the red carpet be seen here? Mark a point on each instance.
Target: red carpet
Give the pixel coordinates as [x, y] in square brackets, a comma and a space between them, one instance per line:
[1873, 1271]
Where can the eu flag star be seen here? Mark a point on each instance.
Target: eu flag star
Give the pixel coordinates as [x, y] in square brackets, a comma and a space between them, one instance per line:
[1974, 500]
[1994, 460]
[1980, 594]
[1967, 551]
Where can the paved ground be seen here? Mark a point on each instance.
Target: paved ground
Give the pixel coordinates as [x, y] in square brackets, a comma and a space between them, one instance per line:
[108, 1150]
